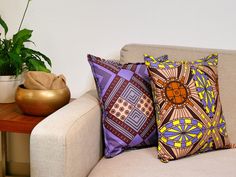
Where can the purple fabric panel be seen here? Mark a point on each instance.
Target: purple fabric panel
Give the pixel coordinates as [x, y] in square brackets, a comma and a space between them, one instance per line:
[104, 77]
[136, 141]
[126, 74]
[142, 72]
[113, 145]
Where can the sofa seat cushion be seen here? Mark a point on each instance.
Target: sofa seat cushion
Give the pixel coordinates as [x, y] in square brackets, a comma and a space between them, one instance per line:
[144, 163]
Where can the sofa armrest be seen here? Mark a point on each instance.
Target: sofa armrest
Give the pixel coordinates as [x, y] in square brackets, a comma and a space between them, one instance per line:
[68, 142]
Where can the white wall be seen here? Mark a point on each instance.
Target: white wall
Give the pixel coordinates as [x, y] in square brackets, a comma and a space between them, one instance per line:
[66, 30]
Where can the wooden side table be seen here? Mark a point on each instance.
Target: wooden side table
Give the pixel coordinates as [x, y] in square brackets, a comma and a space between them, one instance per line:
[12, 120]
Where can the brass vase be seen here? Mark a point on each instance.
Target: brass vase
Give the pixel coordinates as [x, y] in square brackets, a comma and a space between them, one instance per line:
[41, 102]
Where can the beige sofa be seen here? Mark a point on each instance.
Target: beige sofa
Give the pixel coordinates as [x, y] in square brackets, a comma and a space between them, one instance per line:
[69, 142]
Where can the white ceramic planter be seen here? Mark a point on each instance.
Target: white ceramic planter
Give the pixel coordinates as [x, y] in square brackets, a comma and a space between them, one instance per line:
[8, 86]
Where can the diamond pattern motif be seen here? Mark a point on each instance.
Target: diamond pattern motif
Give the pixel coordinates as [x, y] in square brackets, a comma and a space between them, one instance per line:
[136, 119]
[131, 94]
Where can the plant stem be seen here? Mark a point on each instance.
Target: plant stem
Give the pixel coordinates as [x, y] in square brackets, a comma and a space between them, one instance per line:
[24, 15]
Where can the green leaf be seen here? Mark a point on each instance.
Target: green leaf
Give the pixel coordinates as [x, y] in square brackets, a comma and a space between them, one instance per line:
[4, 25]
[1, 63]
[16, 62]
[38, 65]
[30, 42]
[19, 38]
[22, 36]
[38, 55]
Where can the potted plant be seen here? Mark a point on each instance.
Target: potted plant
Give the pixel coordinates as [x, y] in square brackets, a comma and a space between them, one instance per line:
[15, 58]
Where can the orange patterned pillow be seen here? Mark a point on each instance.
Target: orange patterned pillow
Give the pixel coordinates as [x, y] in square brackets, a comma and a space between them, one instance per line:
[189, 112]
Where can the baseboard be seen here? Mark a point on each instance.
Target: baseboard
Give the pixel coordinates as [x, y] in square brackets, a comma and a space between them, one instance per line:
[18, 169]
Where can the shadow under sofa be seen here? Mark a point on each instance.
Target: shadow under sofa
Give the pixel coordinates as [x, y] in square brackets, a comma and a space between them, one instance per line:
[68, 143]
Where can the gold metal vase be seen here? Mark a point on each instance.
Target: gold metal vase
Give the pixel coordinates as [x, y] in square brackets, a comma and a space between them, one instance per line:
[41, 102]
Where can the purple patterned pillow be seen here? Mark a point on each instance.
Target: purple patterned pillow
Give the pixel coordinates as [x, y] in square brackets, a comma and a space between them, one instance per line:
[127, 107]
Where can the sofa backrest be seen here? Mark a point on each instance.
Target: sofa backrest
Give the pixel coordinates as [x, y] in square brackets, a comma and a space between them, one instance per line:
[226, 70]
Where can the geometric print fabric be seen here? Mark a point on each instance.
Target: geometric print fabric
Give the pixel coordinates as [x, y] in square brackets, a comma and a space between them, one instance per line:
[190, 118]
[127, 108]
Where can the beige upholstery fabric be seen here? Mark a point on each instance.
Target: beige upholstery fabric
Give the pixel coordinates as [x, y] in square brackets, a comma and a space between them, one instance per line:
[227, 72]
[144, 163]
[67, 143]
[134, 52]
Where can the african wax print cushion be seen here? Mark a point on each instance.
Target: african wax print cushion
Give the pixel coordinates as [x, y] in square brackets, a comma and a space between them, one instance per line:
[128, 117]
[186, 96]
